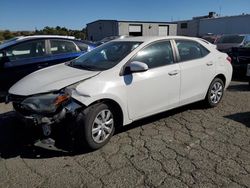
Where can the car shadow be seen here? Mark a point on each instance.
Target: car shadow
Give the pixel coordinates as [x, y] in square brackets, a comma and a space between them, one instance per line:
[157, 117]
[243, 118]
[241, 86]
[16, 140]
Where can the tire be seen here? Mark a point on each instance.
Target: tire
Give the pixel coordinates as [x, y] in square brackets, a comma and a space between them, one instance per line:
[92, 126]
[215, 93]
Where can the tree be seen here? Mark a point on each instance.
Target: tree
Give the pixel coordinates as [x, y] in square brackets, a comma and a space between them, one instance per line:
[7, 35]
[1, 37]
[80, 34]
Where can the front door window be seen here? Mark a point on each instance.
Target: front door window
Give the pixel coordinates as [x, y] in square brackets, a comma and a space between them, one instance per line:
[26, 50]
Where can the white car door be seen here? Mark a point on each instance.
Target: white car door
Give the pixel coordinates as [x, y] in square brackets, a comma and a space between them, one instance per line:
[197, 70]
[156, 89]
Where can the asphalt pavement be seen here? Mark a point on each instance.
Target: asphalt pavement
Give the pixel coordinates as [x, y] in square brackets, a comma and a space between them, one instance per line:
[187, 147]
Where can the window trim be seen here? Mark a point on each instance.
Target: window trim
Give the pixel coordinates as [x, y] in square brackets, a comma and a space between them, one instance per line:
[122, 72]
[177, 51]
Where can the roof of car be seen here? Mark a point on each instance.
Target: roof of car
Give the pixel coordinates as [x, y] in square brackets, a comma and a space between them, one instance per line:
[26, 38]
[228, 35]
[154, 38]
[43, 36]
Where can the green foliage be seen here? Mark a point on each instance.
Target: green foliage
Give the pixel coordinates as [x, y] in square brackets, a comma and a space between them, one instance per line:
[5, 35]
[79, 34]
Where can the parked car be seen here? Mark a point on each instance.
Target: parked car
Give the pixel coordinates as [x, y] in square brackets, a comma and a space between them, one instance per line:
[107, 39]
[226, 42]
[211, 38]
[22, 55]
[240, 60]
[120, 82]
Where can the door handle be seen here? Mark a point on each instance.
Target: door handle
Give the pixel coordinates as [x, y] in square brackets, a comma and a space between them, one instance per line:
[210, 63]
[172, 73]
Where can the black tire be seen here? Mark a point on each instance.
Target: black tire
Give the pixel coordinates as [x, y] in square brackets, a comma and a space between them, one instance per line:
[85, 122]
[208, 100]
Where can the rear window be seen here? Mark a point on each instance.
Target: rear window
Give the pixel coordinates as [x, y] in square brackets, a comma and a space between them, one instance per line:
[231, 39]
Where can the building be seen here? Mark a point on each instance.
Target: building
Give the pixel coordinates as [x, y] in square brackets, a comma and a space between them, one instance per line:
[225, 25]
[214, 24]
[100, 29]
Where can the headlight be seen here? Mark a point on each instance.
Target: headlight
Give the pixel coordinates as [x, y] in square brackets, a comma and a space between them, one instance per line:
[47, 103]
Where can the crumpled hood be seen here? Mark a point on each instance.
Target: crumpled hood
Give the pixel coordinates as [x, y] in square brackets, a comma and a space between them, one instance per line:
[49, 79]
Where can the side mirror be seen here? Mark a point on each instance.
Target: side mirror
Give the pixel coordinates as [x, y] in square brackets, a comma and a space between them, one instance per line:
[136, 66]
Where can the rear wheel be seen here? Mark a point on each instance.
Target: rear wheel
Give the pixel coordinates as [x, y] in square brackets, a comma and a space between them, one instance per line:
[215, 92]
[96, 125]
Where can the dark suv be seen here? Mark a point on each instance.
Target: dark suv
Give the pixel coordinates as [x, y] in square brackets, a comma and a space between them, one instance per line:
[22, 55]
[226, 42]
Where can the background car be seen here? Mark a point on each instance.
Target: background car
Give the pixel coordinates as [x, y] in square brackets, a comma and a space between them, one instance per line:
[226, 42]
[23, 55]
[107, 39]
[211, 38]
[120, 82]
[240, 61]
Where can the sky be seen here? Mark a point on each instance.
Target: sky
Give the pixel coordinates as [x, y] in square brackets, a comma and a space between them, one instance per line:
[75, 14]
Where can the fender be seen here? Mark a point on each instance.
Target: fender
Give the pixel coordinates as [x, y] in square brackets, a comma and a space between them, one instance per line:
[87, 100]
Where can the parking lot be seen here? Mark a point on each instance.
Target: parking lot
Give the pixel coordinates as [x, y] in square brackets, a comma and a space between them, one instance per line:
[187, 147]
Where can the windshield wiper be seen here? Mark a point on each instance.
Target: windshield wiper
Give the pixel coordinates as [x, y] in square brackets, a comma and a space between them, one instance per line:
[85, 67]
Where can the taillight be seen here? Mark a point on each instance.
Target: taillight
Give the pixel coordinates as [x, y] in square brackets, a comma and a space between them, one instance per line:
[229, 59]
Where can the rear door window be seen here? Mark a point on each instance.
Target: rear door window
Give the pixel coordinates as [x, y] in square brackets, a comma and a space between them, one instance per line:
[190, 50]
[62, 46]
[26, 50]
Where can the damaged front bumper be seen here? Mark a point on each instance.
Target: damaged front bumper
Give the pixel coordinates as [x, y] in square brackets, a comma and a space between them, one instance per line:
[46, 121]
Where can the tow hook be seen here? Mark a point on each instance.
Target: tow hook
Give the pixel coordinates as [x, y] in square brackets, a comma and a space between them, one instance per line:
[46, 126]
[46, 129]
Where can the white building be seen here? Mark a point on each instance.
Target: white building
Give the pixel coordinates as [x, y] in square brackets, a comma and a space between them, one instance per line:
[100, 29]
[214, 24]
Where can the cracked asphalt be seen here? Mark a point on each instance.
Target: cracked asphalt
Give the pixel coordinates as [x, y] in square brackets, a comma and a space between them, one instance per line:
[187, 147]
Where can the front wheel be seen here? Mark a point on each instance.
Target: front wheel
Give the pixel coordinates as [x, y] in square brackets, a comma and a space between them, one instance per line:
[215, 93]
[96, 125]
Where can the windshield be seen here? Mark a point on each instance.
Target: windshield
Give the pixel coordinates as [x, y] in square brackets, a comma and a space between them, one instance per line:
[8, 42]
[105, 57]
[231, 39]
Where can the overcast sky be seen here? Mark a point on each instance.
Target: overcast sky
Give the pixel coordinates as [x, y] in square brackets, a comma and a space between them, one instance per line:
[75, 14]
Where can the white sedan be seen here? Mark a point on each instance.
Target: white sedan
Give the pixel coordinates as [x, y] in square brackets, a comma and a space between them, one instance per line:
[122, 81]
